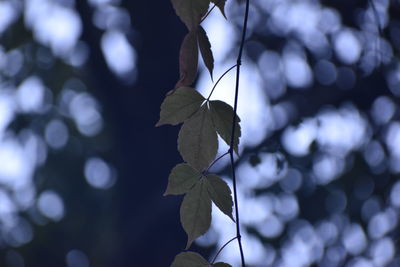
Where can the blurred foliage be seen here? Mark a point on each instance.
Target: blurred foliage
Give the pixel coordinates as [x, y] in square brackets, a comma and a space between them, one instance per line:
[322, 186]
[320, 165]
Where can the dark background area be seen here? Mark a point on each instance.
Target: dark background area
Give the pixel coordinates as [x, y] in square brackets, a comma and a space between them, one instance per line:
[132, 224]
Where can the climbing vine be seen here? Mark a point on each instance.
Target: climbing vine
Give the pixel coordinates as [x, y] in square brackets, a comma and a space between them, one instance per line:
[203, 120]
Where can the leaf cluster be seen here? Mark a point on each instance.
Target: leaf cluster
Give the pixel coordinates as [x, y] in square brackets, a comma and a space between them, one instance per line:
[202, 121]
[192, 13]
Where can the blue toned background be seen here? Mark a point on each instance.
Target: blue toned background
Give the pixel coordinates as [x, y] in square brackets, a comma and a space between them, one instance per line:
[83, 169]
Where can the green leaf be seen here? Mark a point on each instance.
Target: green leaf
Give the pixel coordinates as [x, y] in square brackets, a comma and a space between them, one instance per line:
[188, 60]
[196, 212]
[221, 264]
[221, 5]
[179, 105]
[191, 11]
[197, 140]
[181, 179]
[220, 194]
[189, 259]
[222, 115]
[205, 49]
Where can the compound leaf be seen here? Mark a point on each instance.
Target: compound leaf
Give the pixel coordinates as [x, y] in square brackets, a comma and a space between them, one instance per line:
[196, 212]
[188, 60]
[191, 11]
[179, 105]
[222, 115]
[205, 49]
[189, 259]
[220, 194]
[197, 140]
[221, 5]
[221, 264]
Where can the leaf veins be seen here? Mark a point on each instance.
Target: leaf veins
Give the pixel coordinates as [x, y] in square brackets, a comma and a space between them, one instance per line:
[220, 194]
[179, 105]
[196, 212]
[181, 179]
[222, 115]
[197, 140]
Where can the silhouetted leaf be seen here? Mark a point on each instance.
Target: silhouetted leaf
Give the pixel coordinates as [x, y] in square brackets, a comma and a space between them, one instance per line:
[205, 49]
[189, 259]
[188, 60]
[191, 11]
[197, 140]
[196, 212]
[221, 5]
[181, 179]
[220, 194]
[179, 105]
[222, 115]
[221, 264]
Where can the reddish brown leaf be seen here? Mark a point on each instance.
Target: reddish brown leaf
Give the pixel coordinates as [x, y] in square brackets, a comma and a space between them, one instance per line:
[188, 60]
[205, 49]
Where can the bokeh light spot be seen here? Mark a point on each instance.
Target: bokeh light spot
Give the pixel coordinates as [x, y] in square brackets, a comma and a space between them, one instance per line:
[51, 205]
[56, 134]
[76, 258]
[98, 173]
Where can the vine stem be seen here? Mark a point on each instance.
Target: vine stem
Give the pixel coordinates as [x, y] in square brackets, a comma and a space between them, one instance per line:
[238, 64]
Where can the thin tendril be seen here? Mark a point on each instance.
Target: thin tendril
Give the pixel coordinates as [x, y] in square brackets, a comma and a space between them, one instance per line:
[219, 251]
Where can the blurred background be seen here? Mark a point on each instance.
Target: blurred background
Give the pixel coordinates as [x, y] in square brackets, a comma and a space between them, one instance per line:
[83, 169]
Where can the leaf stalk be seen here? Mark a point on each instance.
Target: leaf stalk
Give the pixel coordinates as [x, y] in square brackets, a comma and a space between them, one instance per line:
[220, 78]
[219, 251]
[208, 13]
